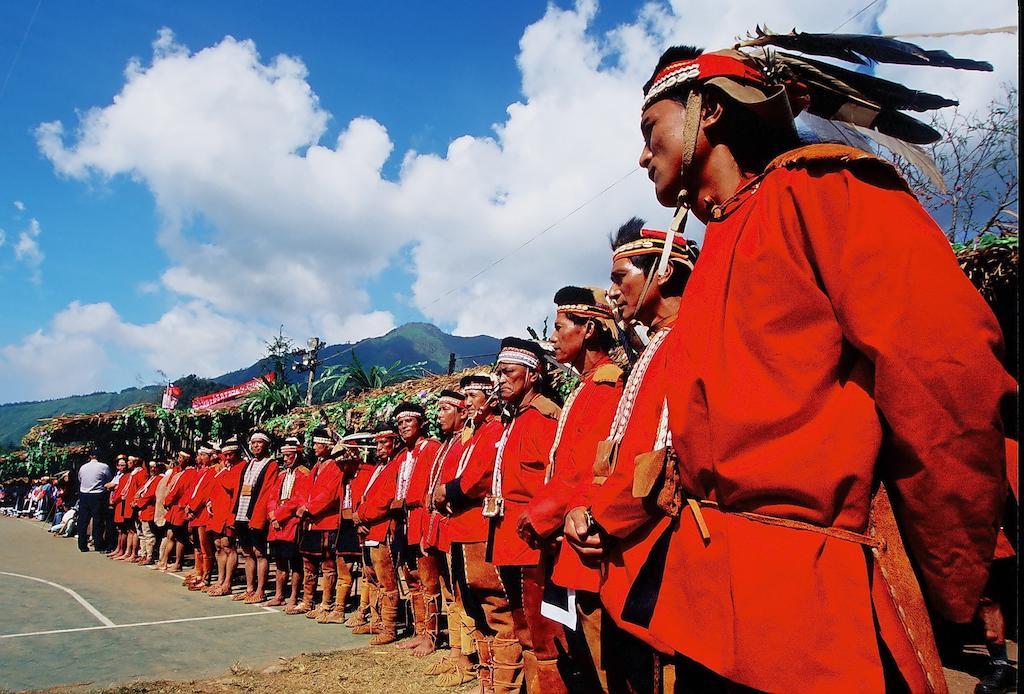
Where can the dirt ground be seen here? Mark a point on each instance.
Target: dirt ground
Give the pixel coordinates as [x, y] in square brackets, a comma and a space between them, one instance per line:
[376, 669]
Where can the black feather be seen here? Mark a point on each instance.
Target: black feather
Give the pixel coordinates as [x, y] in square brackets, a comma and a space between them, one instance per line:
[863, 49]
[883, 92]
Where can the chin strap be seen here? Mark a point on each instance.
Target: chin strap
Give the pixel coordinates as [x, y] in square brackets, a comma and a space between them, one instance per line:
[691, 124]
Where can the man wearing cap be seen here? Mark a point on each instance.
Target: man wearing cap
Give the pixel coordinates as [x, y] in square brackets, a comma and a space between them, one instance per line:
[289, 488]
[258, 477]
[320, 516]
[197, 517]
[831, 344]
[455, 668]
[223, 489]
[584, 333]
[487, 615]
[373, 519]
[411, 478]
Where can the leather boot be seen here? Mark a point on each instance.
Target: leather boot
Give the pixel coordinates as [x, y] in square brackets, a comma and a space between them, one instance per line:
[360, 616]
[419, 612]
[343, 588]
[308, 593]
[388, 618]
[327, 599]
[372, 626]
[432, 617]
[542, 675]
[485, 669]
[507, 662]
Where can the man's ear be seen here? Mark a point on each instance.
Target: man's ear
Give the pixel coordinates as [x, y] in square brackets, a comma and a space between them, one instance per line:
[664, 278]
[589, 331]
[710, 109]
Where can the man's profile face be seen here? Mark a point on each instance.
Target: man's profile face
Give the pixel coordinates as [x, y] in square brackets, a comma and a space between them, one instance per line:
[567, 338]
[320, 450]
[409, 426]
[291, 458]
[662, 126]
[258, 447]
[627, 283]
[203, 458]
[122, 465]
[449, 417]
[513, 381]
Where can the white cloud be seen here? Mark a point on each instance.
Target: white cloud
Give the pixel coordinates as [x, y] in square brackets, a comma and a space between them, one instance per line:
[3, 237]
[300, 226]
[19, 205]
[27, 250]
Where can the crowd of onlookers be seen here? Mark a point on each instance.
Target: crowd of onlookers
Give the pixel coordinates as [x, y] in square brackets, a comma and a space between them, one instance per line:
[44, 498]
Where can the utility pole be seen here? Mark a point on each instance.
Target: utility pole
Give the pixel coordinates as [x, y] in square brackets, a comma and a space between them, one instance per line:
[309, 363]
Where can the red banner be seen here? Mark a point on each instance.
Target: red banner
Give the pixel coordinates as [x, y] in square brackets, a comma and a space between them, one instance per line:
[205, 402]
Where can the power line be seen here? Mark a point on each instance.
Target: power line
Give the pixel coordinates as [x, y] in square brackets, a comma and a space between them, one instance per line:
[17, 53]
[855, 15]
[536, 236]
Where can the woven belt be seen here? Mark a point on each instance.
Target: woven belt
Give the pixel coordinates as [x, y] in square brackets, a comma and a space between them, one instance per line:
[696, 505]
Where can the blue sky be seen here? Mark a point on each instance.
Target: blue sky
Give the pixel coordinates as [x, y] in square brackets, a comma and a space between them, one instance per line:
[169, 196]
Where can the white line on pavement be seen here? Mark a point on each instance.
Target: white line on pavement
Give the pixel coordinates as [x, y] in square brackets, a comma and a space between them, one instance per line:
[82, 601]
[138, 624]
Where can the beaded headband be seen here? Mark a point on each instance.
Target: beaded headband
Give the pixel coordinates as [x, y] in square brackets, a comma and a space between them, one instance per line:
[450, 400]
[652, 242]
[259, 436]
[700, 69]
[515, 355]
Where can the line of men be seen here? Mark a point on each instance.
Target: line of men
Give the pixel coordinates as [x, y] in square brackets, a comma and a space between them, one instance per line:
[722, 518]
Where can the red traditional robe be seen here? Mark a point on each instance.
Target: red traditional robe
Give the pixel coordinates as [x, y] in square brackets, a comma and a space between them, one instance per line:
[584, 423]
[282, 508]
[136, 478]
[443, 469]
[830, 342]
[375, 502]
[467, 488]
[178, 495]
[423, 455]
[196, 501]
[222, 494]
[523, 457]
[267, 479]
[324, 494]
[145, 499]
[117, 497]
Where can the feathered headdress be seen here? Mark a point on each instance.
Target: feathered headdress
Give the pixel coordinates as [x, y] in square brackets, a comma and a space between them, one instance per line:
[841, 103]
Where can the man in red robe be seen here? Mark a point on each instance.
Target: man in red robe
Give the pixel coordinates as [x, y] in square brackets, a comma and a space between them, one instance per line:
[320, 518]
[488, 615]
[373, 518]
[289, 489]
[831, 344]
[137, 476]
[647, 294]
[197, 516]
[174, 502]
[523, 454]
[145, 504]
[583, 335]
[436, 541]
[422, 571]
[221, 522]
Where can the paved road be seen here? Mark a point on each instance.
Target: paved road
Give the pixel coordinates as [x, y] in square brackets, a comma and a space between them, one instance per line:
[127, 622]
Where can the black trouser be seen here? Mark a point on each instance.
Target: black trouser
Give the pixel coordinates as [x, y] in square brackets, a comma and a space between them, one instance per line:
[92, 506]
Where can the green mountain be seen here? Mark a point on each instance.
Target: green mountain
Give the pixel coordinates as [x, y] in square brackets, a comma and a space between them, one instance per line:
[17, 418]
[411, 343]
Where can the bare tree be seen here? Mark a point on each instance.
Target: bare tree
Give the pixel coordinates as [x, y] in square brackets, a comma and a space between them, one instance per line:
[977, 159]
